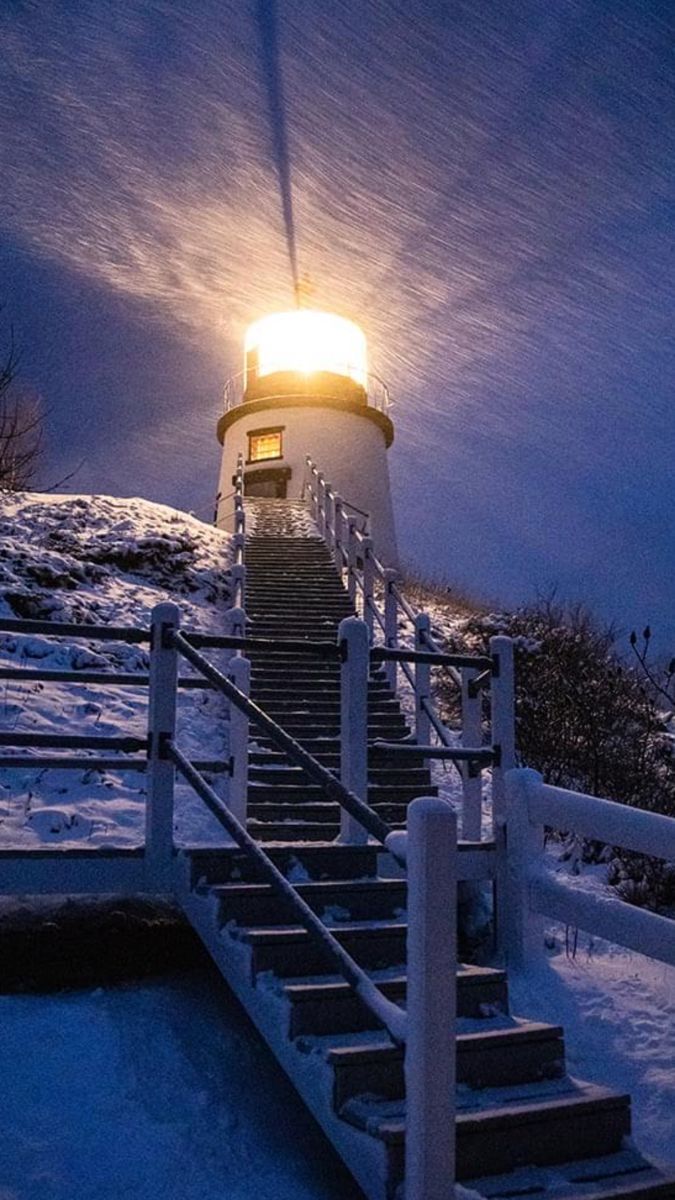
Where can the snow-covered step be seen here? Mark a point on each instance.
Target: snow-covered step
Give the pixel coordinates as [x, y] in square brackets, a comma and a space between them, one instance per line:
[328, 1005]
[503, 1052]
[622, 1176]
[254, 904]
[320, 861]
[302, 793]
[289, 950]
[499, 1129]
[290, 831]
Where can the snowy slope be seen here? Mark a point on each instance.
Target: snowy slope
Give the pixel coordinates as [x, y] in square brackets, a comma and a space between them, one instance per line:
[109, 561]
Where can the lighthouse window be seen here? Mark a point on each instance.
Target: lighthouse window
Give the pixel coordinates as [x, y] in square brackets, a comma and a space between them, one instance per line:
[264, 444]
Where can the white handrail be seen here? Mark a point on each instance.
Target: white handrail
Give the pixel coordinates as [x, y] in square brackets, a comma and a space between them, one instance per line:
[533, 893]
[376, 595]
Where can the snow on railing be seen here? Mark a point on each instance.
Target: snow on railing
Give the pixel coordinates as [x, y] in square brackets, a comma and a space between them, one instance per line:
[374, 591]
[532, 892]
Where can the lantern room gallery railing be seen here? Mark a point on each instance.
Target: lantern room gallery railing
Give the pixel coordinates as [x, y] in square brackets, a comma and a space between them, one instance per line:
[377, 392]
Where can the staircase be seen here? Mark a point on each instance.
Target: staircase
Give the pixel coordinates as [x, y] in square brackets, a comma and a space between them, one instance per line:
[524, 1127]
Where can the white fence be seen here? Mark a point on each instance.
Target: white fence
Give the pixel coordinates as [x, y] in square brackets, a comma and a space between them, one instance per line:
[533, 893]
[377, 597]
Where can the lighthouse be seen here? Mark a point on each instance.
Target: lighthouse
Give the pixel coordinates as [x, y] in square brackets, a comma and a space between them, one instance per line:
[305, 390]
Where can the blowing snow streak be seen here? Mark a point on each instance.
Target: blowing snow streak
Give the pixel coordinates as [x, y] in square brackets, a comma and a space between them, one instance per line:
[271, 63]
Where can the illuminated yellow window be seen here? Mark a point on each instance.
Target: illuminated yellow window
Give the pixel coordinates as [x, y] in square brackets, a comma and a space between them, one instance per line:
[264, 444]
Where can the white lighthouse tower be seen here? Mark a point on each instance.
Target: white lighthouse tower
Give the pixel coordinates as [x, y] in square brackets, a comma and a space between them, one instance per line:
[305, 390]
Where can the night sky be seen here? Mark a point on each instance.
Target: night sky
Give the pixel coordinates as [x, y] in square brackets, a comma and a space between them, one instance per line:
[487, 187]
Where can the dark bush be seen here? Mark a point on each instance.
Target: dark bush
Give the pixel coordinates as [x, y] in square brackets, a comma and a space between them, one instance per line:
[588, 722]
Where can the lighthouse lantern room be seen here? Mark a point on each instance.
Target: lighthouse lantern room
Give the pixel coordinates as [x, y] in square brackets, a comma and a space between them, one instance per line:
[305, 390]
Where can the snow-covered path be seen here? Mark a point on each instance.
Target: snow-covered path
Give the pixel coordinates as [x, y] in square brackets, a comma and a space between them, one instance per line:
[159, 1089]
[618, 1012]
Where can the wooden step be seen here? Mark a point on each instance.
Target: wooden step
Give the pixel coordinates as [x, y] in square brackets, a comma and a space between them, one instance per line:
[300, 794]
[507, 1054]
[285, 773]
[293, 831]
[257, 904]
[321, 813]
[320, 704]
[536, 1124]
[289, 950]
[330, 1006]
[625, 1175]
[320, 861]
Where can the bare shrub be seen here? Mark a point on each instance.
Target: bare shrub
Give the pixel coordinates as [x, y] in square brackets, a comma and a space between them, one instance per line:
[21, 425]
[587, 722]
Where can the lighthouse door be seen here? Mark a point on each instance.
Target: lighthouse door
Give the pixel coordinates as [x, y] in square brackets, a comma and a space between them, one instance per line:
[269, 482]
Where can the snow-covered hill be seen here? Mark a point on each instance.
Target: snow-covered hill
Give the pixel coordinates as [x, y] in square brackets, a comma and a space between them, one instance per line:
[108, 561]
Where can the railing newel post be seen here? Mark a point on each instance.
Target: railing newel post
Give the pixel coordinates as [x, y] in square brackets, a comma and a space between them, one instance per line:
[238, 585]
[321, 500]
[502, 718]
[422, 682]
[430, 1064]
[472, 779]
[522, 934]
[235, 622]
[338, 532]
[353, 642]
[390, 624]
[329, 510]
[351, 560]
[161, 775]
[368, 587]
[239, 672]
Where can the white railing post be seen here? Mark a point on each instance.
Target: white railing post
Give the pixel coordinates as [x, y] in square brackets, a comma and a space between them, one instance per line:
[351, 560]
[338, 533]
[321, 502]
[503, 721]
[472, 734]
[422, 682]
[432, 982]
[238, 585]
[161, 772]
[502, 716]
[235, 622]
[522, 934]
[368, 586]
[329, 511]
[390, 625]
[239, 672]
[353, 643]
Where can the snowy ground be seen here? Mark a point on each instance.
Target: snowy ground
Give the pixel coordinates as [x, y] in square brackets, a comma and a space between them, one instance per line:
[113, 1065]
[108, 561]
[154, 1089]
[618, 1012]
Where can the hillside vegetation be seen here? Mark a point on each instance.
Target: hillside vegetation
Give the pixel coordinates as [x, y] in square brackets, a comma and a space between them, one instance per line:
[585, 718]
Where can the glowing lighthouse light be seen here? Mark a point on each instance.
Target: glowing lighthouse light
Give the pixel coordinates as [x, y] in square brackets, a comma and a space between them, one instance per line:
[306, 342]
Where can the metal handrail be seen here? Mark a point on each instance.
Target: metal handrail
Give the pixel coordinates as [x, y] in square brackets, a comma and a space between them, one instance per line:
[386, 1012]
[217, 641]
[433, 657]
[73, 741]
[100, 633]
[403, 604]
[332, 786]
[108, 678]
